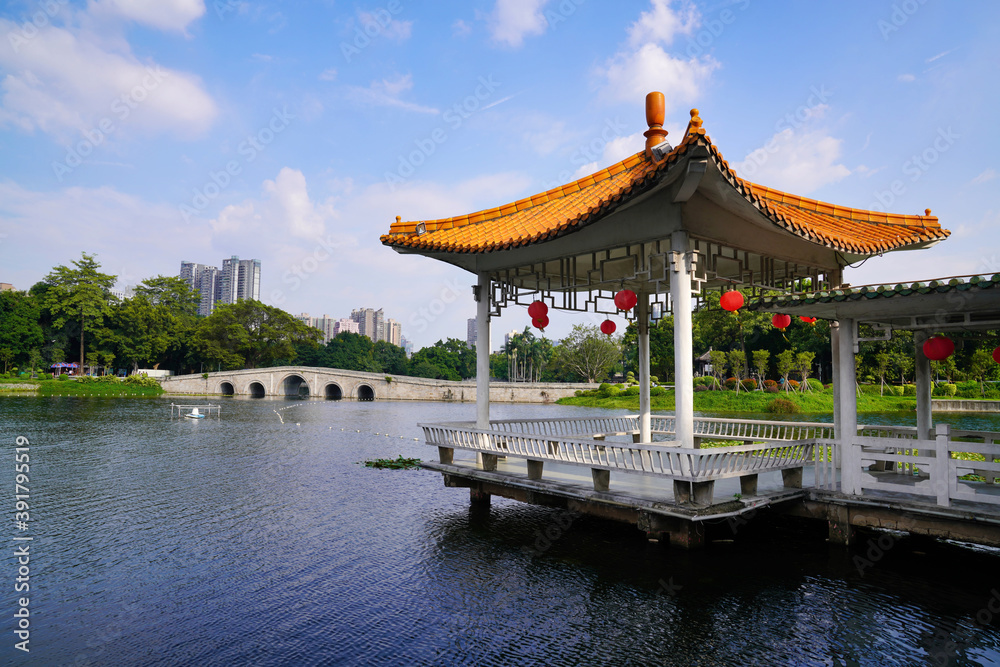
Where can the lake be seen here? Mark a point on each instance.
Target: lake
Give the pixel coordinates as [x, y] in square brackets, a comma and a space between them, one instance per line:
[257, 538]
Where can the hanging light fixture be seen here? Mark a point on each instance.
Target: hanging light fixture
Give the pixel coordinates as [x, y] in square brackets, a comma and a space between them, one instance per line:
[626, 299]
[540, 322]
[732, 300]
[780, 321]
[938, 348]
[996, 355]
[608, 327]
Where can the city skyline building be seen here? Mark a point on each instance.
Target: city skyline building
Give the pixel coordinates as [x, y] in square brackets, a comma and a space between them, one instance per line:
[237, 279]
[470, 333]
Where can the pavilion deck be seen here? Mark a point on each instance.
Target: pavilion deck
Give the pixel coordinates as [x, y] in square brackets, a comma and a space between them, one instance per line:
[664, 487]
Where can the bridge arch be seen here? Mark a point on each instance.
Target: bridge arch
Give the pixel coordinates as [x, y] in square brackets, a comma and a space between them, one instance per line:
[333, 392]
[365, 392]
[256, 390]
[226, 388]
[294, 385]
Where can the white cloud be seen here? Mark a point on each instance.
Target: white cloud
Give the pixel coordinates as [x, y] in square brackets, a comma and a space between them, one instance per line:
[460, 28]
[328, 75]
[906, 78]
[513, 20]
[645, 66]
[161, 14]
[286, 210]
[389, 28]
[65, 81]
[799, 159]
[985, 176]
[662, 23]
[387, 93]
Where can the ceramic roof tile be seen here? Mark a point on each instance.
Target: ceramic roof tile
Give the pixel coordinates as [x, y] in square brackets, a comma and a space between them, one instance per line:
[565, 209]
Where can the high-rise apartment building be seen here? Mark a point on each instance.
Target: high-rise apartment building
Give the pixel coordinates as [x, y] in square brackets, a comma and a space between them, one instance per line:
[371, 323]
[394, 332]
[237, 279]
[470, 333]
[345, 325]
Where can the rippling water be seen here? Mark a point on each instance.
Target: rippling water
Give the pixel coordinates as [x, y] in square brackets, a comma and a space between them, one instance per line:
[249, 540]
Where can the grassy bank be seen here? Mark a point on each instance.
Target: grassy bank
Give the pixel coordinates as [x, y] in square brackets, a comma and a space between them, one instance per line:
[754, 401]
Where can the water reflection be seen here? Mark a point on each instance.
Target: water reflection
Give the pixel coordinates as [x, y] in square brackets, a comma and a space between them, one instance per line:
[258, 539]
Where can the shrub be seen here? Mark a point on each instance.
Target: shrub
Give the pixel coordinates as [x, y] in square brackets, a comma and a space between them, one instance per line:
[654, 379]
[632, 391]
[793, 384]
[815, 384]
[772, 390]
[63, 376]
[141, 381]
[749, 384]
[701, 387]
[770, 385]
[730, 383]
[909, 390]
[603, 387]
[781, 406]
[659, 391]
[950, 389]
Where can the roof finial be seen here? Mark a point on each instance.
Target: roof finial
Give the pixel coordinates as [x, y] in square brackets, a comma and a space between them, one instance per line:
[694, 124]
[927, 212]
[655, 114]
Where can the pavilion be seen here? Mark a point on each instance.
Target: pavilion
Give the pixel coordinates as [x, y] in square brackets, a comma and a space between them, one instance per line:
[669, 223]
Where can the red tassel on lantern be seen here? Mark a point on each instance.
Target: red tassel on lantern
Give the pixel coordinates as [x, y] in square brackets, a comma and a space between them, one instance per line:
[731, 300]
[781, 322]
[608, 327]
[808, 320]
[938, 348]
[537, 309]
[540, 322]
[626, 299]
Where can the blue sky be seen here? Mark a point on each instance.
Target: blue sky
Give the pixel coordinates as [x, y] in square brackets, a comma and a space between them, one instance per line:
[294, 132]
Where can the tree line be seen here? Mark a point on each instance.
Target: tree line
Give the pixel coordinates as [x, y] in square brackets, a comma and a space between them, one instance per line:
[71, 315]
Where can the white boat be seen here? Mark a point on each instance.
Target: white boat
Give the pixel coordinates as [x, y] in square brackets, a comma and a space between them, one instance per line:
[194, 414]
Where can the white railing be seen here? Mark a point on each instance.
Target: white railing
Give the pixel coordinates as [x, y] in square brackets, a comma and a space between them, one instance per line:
[927, 467]
[695, 465]
[570, 426]
[710, 428]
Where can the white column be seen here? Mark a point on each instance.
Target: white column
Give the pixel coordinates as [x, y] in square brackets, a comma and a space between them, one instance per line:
[483, 352]
[835, 354]
[847, 429]
[642, 317]
[923, 372]
[680, 295]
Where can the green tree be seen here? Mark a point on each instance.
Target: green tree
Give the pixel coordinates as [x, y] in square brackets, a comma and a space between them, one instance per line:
[6, 356]
[251, 333]
[20, 331]
[882, 360]
[718, 358]
[590, 353]
[803, 360]
[786, 364]
[349, 351]
[172, 293]
[141, 331]
[738, 363]
[980, 364]
[451, 359]
[81, 295]
[390, 358]
[760, 361]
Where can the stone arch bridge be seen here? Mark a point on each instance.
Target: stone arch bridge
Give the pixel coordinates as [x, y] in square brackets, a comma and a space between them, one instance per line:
[336, 384]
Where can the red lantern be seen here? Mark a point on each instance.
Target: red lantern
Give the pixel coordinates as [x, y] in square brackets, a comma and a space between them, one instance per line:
[731, 300]
[626, 299]
[537, 309]
[996, 355]
[808, 320]
[540, 322]
[781, 322]
[938, 348]
[608, 327]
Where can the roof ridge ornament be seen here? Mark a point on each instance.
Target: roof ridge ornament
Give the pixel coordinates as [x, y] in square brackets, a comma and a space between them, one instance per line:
[694, 124]
[655, 115]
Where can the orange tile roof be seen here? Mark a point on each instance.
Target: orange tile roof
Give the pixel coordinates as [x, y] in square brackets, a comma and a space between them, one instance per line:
[568, 208]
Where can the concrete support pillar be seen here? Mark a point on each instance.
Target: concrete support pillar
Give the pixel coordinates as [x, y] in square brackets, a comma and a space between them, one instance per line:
[535, 469]
[483, 351]
[847, 427]
[680, 296]
[839, 524]
[922, 369]
[602, 479]
[642, 316]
